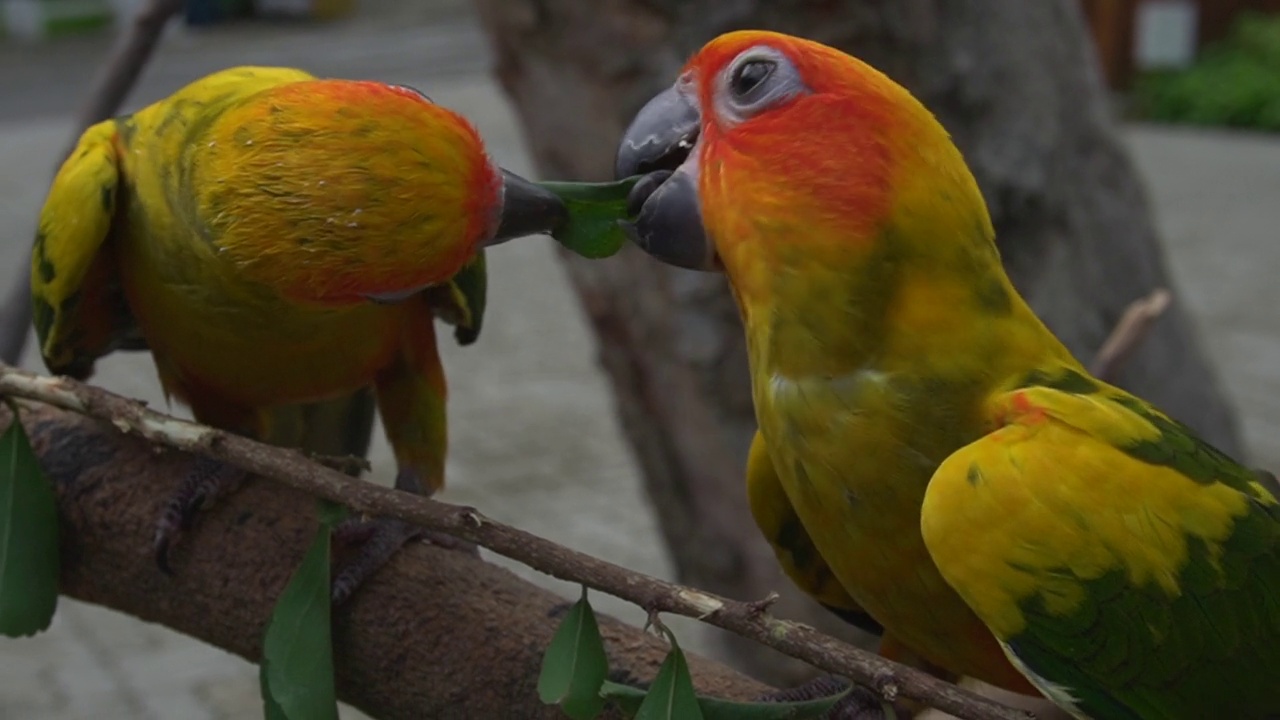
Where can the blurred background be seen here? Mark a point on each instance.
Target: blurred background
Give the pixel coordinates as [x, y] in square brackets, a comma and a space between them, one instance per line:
[1142, 152]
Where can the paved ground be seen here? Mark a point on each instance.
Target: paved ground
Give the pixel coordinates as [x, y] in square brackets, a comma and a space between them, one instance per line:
[534, 439]
[1214, 199]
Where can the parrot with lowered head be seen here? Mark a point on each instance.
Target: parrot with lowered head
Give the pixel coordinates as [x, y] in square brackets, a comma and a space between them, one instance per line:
[282, 244]
[929, 455]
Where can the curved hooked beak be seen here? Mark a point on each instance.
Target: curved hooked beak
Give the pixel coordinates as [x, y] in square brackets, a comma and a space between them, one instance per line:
[527, 209]
[661, 144]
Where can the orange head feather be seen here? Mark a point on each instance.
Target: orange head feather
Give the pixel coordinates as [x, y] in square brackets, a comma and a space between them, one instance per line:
[337, 190]
[826, 158]
[798, 149]
[808, 160]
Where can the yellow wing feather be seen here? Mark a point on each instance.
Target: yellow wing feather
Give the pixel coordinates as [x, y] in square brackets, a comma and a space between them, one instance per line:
[78, 312]
[1109, 551]
[1043, 495]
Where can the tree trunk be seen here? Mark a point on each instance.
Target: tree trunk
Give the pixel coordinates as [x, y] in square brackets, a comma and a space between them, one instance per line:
[1017, 85]
[434, 634]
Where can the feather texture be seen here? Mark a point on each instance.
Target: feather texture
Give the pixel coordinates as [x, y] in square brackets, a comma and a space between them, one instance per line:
[953, 469]
[237, 227]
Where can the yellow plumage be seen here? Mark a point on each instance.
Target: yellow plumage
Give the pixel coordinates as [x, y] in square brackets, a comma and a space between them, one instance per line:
[282, 244]
[1002, 514]
[239, 224]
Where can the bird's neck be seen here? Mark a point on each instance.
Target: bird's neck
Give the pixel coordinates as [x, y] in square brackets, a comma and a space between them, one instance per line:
[948, 319]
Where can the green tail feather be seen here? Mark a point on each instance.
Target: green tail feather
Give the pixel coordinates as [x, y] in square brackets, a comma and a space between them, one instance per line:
[338, 427]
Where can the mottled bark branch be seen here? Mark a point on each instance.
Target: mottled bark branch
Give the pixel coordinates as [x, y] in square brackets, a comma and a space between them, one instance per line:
[112, 85]
[300, 474]
[436, 633]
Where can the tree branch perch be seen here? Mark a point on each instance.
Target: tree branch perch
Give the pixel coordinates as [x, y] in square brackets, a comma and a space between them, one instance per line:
[435, 633]
[293, 469]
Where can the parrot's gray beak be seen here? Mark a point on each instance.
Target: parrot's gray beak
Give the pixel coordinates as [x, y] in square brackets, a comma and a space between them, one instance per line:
[661, 144]
[660, 136]
[527, 209]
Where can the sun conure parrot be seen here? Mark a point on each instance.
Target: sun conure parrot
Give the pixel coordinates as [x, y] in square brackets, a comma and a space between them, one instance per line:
[1000, 512]
[281, 244]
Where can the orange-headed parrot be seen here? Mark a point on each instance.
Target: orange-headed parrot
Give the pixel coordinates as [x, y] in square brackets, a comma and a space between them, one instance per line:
[1003, 514]
[282, 244]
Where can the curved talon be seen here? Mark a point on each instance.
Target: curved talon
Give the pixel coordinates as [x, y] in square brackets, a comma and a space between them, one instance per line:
[168, 527]
[859, 704]
[379, 539]
[205, 481]
[161, 545]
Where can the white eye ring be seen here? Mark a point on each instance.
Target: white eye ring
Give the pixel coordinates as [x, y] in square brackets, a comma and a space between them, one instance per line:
[757, 79]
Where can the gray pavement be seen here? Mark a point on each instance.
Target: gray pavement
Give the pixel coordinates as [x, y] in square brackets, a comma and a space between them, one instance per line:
[1217, 201]
[534, 440]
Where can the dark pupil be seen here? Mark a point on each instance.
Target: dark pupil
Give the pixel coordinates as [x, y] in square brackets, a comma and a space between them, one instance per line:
[749, 75]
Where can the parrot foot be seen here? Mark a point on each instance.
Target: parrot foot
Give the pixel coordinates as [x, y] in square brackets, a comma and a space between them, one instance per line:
[859, 704]
[204, 482]
[379, 539]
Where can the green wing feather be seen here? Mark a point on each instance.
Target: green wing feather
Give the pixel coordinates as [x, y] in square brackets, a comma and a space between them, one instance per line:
[1129, 568]
[338, 427]
[461, 301]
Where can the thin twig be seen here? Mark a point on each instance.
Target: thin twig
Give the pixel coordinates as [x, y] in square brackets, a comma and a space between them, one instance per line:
[128, 57]
[294, 469]
[1129, 333]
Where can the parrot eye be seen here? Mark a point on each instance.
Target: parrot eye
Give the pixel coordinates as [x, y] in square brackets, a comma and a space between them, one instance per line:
[758, 79]
[749, 76]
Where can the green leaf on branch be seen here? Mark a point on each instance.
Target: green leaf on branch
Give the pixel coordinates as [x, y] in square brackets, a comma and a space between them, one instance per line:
[574, 666]
[296, 674]
[671, 695]
[29, 560]
[592, 230]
